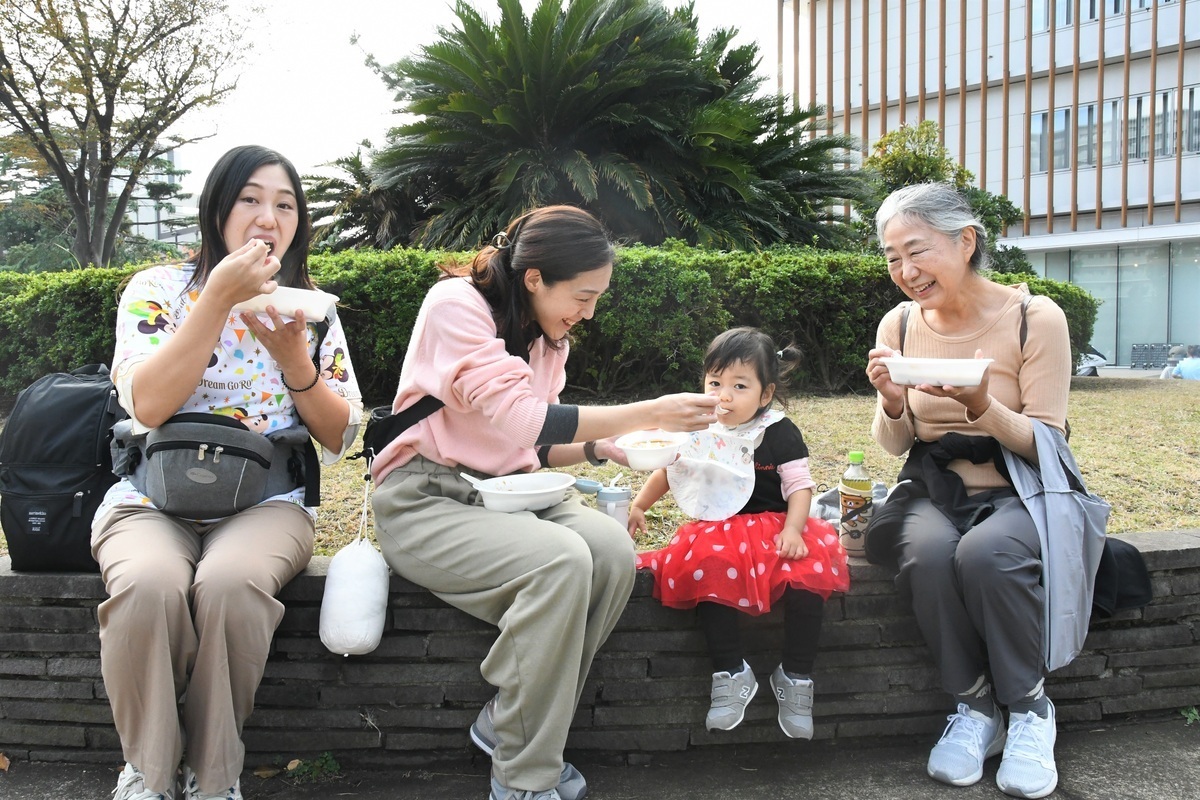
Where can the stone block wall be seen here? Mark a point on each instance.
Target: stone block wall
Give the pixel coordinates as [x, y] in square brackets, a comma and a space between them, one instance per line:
[410, 702]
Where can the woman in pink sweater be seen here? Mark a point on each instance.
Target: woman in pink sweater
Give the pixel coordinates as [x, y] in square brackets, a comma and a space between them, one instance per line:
[491, 343]
[967, 550]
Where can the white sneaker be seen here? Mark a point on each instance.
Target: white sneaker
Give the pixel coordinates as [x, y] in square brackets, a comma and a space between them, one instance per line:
[730, 696]
[970, 739]
[1027, 768]
[191, 788]
[131, 785]
[795, 698]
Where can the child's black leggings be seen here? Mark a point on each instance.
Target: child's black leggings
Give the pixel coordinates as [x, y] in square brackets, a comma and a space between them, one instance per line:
[802, 614]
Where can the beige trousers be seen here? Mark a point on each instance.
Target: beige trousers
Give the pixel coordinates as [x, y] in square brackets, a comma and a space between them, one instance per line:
[554, 582]
[191, 614]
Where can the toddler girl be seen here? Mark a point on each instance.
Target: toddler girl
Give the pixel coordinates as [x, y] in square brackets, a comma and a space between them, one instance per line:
[746, 480]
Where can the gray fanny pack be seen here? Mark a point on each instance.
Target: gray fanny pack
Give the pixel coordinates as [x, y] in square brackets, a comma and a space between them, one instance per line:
[205, 466]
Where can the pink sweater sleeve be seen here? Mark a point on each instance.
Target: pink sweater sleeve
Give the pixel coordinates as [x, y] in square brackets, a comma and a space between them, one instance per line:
[496, 403]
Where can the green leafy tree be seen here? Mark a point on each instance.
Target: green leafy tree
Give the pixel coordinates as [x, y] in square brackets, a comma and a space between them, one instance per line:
[617, 106]
[914, 154]
[90, 88]
[351, 211]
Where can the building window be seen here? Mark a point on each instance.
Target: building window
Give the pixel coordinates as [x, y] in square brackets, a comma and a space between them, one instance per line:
[1086, 146]
[1112, 132]
[1041, 14]
[1164, 123]
[1191, 120]
[1158, 111]
[1050, 148]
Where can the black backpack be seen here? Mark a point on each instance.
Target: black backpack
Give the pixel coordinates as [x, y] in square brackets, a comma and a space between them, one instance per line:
[55, 466]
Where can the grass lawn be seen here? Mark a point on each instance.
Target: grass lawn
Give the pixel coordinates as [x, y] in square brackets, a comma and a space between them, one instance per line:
[1137, 442]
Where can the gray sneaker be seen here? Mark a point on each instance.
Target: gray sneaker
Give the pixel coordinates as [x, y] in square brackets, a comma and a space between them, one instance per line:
[795, 698]
[1027, 768]
[131, 785]
[502, 792]
[483, 729]
[970, 739]
[730, 696]
[571, 785]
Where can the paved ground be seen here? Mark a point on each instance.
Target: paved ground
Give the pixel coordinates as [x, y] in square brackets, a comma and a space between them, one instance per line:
[1155, 759]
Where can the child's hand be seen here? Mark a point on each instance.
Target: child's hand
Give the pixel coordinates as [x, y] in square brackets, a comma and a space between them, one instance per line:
[637, 521]
[790, 544]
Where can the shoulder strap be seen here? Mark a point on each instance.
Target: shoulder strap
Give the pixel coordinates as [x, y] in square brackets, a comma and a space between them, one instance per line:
[1024, 322]
[904, 324]
[383, 426]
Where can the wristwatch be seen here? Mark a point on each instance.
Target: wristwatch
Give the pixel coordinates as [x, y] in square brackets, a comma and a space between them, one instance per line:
[589, 451]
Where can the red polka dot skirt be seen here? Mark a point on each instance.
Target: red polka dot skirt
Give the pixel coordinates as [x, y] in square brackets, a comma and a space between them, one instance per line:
[734, 562]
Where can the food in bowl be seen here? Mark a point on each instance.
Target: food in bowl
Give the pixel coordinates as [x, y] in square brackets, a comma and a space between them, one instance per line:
[936, 371]
[653, 449]
[530, 491]
[288, 300]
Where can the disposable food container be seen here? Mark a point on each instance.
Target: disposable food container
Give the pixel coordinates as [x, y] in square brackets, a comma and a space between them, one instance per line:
[936, 371]
[287, 301]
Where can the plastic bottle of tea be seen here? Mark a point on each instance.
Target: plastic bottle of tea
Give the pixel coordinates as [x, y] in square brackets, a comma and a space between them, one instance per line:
[855, 492]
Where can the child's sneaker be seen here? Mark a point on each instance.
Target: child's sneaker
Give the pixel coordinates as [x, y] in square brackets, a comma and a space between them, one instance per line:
[795, 698]
[1027, 768]
[131, 785]
[730, 696]
[970, 739]
[191, 788]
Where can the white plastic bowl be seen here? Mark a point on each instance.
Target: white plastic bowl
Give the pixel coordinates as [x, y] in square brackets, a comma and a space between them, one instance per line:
[287, 300]
[528, 491]
[936, 371]
[653, 449]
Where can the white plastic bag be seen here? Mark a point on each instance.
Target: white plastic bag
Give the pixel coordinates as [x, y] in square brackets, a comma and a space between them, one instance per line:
[354, 607]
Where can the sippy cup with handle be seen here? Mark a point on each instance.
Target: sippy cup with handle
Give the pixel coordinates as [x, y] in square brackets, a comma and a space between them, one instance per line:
[614, 501]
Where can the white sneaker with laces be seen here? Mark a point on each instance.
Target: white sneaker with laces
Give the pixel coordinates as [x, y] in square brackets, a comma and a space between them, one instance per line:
[1027, 768]
[191, 788]
[730, 696]
[131, 785]
[970, 739]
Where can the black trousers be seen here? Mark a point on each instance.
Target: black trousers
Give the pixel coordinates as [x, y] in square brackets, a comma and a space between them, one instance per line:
[802, 615]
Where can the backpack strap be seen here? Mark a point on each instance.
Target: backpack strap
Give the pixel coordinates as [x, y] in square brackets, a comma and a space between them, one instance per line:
[904, 324]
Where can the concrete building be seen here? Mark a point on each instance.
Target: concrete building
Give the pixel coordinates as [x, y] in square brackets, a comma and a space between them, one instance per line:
[1084, 113]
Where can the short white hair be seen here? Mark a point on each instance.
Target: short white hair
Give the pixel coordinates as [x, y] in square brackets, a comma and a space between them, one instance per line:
[939, 206]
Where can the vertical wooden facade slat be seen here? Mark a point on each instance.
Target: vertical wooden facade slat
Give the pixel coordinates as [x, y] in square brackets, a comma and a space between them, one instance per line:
[1179, 114]
[779, 39]
[1153, 143]
[1125, 120]
[883, 68]
[846, 73]
[984, 79]
[922, 57]
[865, 77]
[962, 82]
[1028, 112]
[1101, 57]
[812, 53]
[1075, 117]
[829, 63]
[903, 61]
[796, 56]
[1052, 35]
[1005, 121]
[941, 76]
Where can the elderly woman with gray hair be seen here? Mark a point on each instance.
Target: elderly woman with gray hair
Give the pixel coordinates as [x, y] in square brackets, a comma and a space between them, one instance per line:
[967, 550]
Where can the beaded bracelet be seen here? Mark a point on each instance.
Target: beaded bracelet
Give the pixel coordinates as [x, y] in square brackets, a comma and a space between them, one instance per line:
[316, 377]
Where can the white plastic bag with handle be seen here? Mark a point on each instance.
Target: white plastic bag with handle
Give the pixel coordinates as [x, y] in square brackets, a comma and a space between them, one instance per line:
[354, 607]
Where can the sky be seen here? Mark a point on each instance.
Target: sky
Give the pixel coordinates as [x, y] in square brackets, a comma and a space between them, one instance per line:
[321, 100]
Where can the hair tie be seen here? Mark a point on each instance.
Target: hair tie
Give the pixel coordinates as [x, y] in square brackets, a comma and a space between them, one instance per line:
[501, 241]
[779, 354]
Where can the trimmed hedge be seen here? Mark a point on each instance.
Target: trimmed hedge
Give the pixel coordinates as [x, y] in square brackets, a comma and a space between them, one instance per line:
[664, 306]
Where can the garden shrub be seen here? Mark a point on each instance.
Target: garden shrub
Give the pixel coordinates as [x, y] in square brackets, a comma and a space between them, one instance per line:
[664, 305]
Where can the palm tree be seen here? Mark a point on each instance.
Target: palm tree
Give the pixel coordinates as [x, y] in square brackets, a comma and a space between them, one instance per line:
[351, 212]
[617, 106]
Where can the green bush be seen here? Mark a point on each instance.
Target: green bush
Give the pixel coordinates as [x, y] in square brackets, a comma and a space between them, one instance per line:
[826, 303]
[651, 329]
